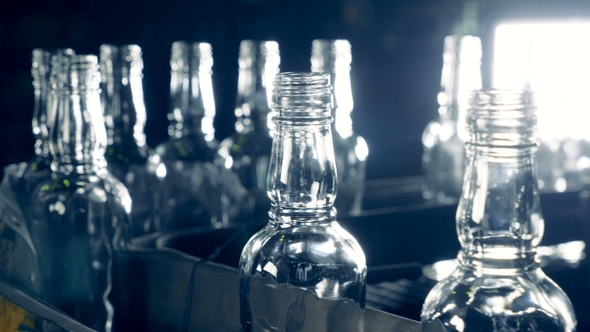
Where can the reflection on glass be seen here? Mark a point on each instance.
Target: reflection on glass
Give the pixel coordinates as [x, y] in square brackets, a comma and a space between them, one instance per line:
[351, 150]
[302, 266]
[192, 190]
[498, 284]
[247, 151]
[551, 58]
[125, 117]
[80, 216]
[443, 139]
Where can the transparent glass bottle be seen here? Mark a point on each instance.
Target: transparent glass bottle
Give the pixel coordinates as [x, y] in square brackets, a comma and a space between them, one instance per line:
[192, 190]
[24, 177]
[350, 149]
[247, 151]
[81, 215]
[125, 116]
[294, 269]
[443, 159]
[498, 285]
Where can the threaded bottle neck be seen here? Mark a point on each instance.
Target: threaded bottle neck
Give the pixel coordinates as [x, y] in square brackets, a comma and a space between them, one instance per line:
[77, 131]
[302, 173]
[502, 119]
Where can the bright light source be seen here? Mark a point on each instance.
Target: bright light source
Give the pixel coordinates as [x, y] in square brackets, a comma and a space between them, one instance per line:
[552, 59]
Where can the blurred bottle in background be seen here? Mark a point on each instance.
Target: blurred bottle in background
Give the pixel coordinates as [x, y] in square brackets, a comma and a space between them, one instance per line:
[125, 116]
[18, 257]
[192, 190]
[443, 160]
[247, 150]
[351, 150]
[80, 216]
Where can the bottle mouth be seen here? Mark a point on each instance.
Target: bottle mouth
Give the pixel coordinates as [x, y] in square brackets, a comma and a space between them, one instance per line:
[302, 96]
[503, 118]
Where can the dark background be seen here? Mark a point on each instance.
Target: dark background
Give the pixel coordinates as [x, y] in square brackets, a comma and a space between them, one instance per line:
[397, 55]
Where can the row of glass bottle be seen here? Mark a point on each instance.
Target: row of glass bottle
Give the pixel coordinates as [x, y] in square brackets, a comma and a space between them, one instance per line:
[562, 162]
[79, 217]
[77, 191]
[184, 160]
[303, 272]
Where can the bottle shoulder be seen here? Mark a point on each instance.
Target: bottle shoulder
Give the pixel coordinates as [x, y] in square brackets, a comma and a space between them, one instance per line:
[464, 296]
[187, 148]
[252, 143]
[322, 244]
[100, 188]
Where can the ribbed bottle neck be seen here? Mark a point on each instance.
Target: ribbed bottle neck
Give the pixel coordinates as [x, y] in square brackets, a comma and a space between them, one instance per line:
[77, 132]
[302, 173]
[499, 218]
[41, 71]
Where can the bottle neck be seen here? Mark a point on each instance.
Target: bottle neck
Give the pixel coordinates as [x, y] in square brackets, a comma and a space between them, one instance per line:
[122, 98]
[191, 92]
[302, 173]
[77, 132]
[252, 108]
[499, 219]
[41, 65]
[461, 74]
[259, 64]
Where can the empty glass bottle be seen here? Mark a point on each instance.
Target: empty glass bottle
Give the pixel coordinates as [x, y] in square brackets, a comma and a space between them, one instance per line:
[24, 177]
[192, 190]
[294, 270]
[443, 159]
[81, 215]
[247, 151]
[350, 149]
[125, 117]
[498, 285]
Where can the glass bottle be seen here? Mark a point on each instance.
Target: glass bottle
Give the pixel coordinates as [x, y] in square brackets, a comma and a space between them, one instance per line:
[247, 151]
[350, 149]
[22, 178]
[302, 254]
[192, 189]
[125, 117]
[443, 159]
[81, 215]
[499, 285]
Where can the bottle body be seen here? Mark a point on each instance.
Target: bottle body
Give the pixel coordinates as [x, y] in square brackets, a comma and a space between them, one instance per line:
[80, 216]
[443, 159]
[499, 285]
[125, 117]
[302, 271]
[79, 221]
[350, 149]
[280, 261]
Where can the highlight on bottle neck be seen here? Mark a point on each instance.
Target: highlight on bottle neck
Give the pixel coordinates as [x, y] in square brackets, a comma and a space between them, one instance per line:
[334, 57]
[259, 64]
[121, 71]
[502, 119]
[191, 90]
[302, 173]
[77, 131]
[302, 98]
